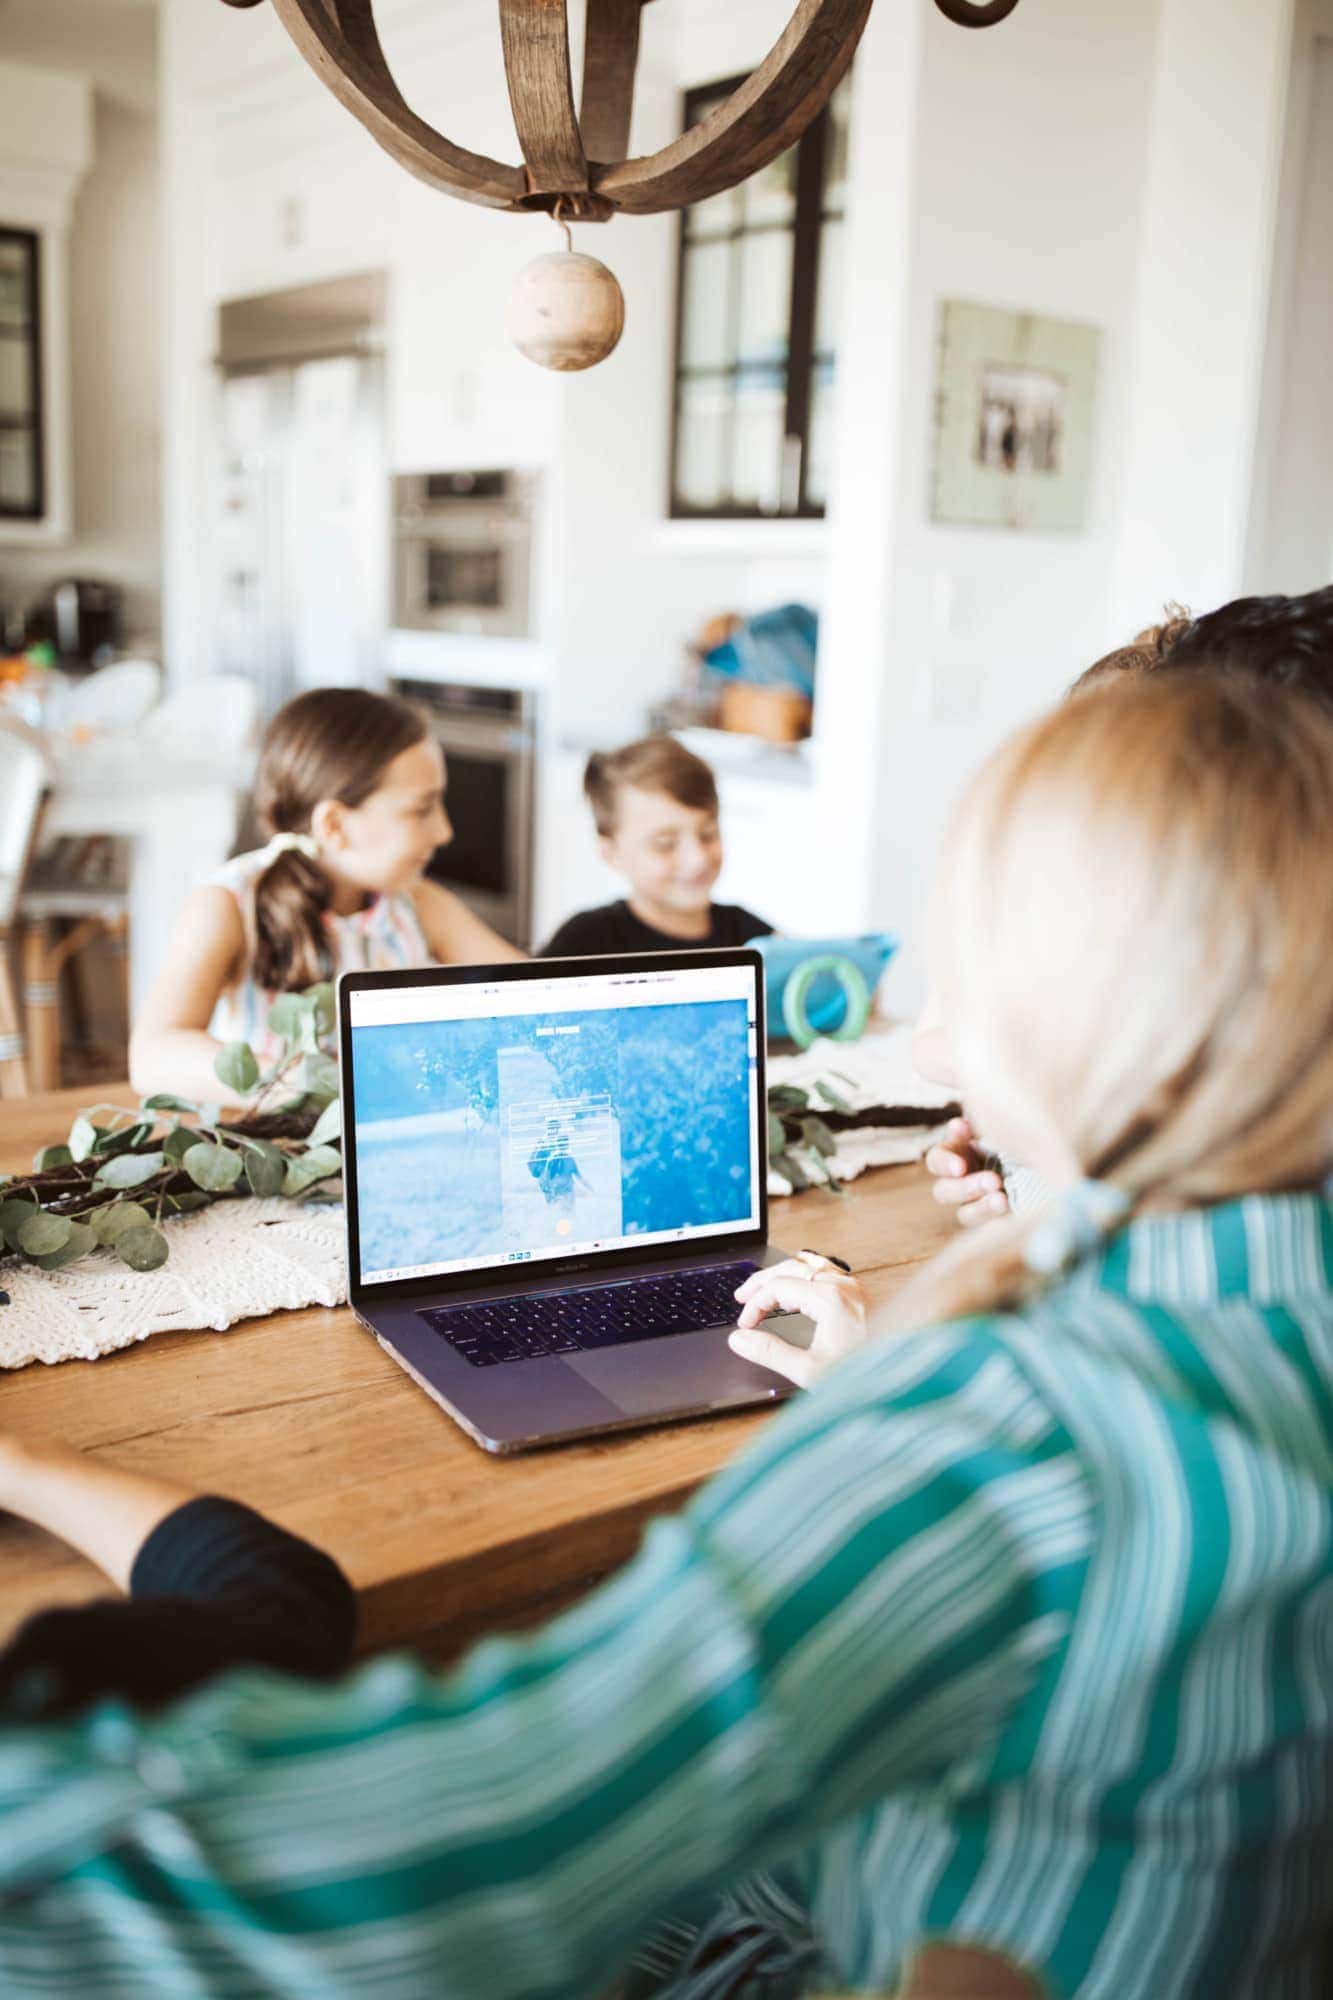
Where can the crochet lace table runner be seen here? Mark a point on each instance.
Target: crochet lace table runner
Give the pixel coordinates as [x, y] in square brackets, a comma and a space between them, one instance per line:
[236, 1260]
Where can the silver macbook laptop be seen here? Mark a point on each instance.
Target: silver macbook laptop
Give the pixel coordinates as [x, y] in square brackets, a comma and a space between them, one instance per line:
[556, 1179]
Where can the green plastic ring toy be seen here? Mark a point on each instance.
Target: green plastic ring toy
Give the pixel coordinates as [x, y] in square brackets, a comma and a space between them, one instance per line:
[854, 990]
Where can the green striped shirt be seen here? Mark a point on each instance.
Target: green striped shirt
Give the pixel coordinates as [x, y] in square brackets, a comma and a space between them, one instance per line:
[1018, 1631]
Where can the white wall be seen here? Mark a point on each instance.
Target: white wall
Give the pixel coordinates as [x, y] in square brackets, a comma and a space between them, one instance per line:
[1218, 106]
[1291, 528]
[114, 290]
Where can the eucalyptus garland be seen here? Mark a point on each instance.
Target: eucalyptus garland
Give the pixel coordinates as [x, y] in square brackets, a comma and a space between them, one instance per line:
[123, 1172]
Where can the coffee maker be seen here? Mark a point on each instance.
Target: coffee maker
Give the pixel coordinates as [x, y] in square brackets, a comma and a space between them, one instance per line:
[81, 618]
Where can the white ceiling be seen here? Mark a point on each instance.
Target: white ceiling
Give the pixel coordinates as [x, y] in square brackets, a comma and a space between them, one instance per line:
[112, 42]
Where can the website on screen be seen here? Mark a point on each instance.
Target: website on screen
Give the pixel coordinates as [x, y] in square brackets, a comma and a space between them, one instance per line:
[539, 1118]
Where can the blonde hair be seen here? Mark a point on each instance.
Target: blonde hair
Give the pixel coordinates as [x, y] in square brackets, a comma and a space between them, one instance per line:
[1131, 931]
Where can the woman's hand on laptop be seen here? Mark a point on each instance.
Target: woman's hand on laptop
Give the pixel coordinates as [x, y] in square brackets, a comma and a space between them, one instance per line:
[807, 1284]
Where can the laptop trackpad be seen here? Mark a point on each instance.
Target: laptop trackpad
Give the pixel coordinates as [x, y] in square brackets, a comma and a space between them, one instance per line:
[683, 1371]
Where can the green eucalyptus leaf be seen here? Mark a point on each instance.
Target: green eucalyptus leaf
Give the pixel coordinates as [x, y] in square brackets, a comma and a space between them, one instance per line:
[777, 1137]
[107, 1223]
[210, 1116]
[834, 1098]
[325, 1006]
[178, 1142]
[235, 1066]
[164, 1101]
[286, 1015]
[143, 1248]
[307, 1168]
[79, 1242]
[329, 1124]
[82, 1137]
[319, 1075]
[13, 1214]
[188, 1201]
[265, 1168]
[211, 1167]
[110, 1142]
[791, 1170]
[127, 1170]
[816, 1135]
[42, 1235]
[51, 1156]
[786, 1097]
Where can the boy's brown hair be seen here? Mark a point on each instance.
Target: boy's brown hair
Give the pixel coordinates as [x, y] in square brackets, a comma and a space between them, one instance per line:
[653, 764]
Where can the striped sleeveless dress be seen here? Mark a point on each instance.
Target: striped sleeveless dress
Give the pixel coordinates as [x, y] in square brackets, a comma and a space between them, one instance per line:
[386, 933]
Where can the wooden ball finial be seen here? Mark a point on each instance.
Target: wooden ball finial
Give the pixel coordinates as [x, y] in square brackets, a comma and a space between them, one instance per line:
[566, 311]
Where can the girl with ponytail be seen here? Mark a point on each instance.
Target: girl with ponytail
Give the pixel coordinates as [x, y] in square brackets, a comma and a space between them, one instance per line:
[350, 791]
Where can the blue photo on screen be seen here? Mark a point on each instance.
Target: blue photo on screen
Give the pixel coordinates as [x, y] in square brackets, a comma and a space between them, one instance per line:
[502, 1138]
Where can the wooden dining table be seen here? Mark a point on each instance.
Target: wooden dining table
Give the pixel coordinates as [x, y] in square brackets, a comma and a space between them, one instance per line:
[303, 1416]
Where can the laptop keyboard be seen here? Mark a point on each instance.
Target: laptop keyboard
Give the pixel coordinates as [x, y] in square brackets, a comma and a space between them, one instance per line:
[522, 1329]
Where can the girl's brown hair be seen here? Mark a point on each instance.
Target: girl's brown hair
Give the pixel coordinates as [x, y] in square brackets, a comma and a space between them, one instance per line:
[332, 743]
[653, 764]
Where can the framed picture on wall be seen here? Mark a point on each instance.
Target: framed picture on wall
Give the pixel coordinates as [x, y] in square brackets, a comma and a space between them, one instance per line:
[1015, 404]
[22, 482]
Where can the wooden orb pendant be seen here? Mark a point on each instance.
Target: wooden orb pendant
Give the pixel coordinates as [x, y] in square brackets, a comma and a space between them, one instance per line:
[566, 311]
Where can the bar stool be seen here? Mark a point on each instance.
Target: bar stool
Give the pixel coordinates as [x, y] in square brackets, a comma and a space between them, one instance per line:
[74, 896]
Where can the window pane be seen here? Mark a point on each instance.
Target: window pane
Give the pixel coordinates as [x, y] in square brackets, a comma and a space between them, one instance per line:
[705, 340]
[18, 471]
[819, 450]
[701, 442]
[770, 196]
[718, 216]
[765, 314]
[836, 135]
[15, 285]
[15, 376]
[761, 405]
[828, 302]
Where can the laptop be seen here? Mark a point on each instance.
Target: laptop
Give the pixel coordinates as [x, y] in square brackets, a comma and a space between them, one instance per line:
[556, 1177]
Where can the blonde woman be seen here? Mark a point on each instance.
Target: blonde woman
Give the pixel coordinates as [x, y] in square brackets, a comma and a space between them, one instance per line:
[1017, 1632]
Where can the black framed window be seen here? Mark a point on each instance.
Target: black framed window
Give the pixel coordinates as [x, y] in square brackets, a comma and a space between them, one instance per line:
[22, 485]
[757, 300]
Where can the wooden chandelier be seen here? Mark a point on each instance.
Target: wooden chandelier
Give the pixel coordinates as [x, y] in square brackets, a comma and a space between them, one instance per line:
[576, 158]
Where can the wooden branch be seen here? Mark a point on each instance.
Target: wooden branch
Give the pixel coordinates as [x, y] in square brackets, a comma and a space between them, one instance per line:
[762, 117]
[339, 41]
[610, 55]
[535, 38]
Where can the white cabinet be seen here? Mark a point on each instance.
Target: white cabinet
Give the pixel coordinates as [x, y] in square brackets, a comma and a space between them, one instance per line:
[775, 857]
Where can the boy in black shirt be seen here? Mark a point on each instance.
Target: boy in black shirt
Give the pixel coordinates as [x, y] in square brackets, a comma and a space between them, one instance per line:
[656, 810]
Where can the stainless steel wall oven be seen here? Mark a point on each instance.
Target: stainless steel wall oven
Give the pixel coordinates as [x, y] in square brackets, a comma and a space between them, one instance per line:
[463, 552]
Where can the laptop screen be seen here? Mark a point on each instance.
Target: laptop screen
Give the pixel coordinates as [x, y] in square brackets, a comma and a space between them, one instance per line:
[524, 1119]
